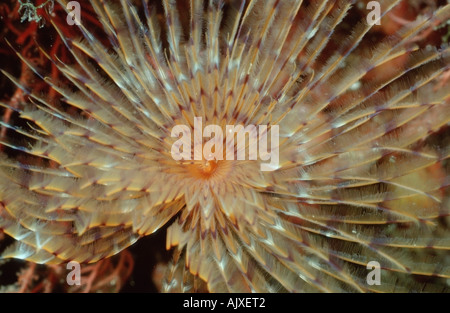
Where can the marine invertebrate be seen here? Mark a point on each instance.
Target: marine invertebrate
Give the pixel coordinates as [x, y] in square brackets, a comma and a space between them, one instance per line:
[29, 11]
[358, 179]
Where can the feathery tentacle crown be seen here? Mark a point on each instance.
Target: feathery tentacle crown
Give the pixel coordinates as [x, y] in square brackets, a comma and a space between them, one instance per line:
[357, 180]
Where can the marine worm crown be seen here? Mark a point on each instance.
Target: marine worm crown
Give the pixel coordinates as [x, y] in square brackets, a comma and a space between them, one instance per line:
[357, 180]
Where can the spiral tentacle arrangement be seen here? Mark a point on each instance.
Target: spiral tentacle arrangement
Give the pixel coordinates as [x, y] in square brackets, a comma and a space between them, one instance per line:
[358, 179]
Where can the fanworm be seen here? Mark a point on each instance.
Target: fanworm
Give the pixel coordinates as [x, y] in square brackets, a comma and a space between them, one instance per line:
[361, 176]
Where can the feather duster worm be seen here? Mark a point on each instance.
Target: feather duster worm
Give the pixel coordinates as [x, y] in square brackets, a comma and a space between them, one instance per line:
[353, 183]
